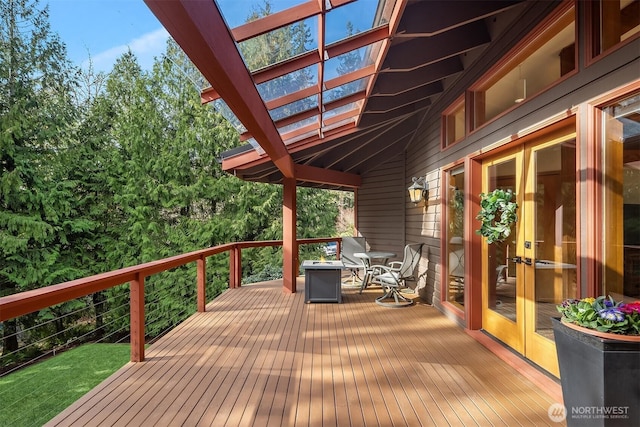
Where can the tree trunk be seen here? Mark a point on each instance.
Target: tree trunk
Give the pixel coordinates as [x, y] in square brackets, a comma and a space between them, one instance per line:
[10, 336]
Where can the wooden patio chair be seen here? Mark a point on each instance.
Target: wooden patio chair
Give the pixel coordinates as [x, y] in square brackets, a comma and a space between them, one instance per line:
[392, 277]
[351, 245]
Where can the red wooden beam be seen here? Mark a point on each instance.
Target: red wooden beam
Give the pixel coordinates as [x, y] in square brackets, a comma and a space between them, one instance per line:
[275, 21]
[394, 21]
[327, 176]
[350, 77]
[298, 117]
[200, 30]
[362, 39]
[358, 96]
[208, 95]
[292, 97]
[340, 117]
[307, 59]
[354, 97]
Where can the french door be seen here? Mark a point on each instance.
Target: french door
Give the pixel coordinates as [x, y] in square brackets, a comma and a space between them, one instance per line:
[535, 268]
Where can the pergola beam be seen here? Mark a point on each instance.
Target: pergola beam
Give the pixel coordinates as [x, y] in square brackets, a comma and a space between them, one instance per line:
[276, 20]
[327, 176]
[200, 30]
[310, 58]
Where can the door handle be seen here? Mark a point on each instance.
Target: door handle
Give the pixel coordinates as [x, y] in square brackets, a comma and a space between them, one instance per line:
[528, 261]
[517, 260]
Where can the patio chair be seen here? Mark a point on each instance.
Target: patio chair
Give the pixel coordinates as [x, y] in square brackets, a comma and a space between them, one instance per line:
[351, 245]
[392, 277]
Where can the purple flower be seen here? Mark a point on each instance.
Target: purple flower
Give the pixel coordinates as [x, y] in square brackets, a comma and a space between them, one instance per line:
[612, 315]
[569, 302]
[608, 303]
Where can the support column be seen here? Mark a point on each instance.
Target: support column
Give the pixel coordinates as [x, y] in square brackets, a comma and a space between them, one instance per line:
[136, 290]
[202, 284]
[235, 267]
[289, 243]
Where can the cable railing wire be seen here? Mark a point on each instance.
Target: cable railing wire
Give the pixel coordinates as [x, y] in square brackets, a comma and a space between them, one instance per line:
[89, 313]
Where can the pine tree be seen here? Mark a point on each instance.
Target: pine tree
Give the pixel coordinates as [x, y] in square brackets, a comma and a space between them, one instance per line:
[36, 117]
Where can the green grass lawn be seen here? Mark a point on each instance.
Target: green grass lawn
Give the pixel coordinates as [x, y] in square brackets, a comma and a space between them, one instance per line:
[34, 395]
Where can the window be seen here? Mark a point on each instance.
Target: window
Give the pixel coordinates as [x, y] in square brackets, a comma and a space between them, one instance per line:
[621, 197]
[536, 65]
[455, 237]
[612, 23]
[453, 123]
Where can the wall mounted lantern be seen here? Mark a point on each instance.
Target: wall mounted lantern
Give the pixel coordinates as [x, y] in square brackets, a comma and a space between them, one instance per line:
[419, 190]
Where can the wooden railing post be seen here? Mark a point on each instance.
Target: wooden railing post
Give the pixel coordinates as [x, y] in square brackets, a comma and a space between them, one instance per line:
[235, 267]
[202, 282]
[137, 318]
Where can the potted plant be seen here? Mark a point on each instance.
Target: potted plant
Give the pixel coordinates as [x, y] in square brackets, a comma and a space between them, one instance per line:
[497, 215]
[598, 347]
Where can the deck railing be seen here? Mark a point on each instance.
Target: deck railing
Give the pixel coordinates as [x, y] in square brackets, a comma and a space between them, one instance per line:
[22, 303]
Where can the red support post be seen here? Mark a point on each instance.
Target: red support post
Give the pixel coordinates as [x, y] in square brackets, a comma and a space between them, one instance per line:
[202, 282]
[289, 242]
[235, 267]
[136, 290]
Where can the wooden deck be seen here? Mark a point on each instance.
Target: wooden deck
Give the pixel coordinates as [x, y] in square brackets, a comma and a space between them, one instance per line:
[261, 357]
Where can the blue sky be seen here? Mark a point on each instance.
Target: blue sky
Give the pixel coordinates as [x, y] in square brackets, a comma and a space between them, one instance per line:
[105, 29]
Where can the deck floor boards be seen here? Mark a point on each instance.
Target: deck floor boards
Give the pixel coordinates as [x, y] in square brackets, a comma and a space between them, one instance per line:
[261, 357]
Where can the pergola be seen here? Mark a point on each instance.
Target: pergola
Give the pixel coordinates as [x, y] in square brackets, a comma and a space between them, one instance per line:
[335, 126]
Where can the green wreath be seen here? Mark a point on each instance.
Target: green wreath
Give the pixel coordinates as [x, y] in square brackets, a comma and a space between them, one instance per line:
[497, 214]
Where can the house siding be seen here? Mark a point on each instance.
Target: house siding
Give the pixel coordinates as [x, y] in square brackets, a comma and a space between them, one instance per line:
[424, 156]
[380, 205]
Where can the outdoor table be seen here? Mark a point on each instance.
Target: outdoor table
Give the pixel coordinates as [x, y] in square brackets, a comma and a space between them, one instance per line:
[367, 258]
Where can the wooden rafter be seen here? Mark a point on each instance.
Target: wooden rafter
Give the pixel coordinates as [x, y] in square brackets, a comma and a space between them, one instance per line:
[276, 20]
[309, 58]
[200, 30]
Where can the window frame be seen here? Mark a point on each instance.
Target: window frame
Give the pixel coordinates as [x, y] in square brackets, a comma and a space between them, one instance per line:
[592, 34]
[449, 116]
[530, 44]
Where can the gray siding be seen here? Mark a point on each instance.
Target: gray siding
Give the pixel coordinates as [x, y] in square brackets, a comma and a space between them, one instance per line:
[381, 207]
[389, 220]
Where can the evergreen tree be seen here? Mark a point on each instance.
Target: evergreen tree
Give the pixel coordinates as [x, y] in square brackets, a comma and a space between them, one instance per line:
[348, 62]
[36, 117]
[276, 46]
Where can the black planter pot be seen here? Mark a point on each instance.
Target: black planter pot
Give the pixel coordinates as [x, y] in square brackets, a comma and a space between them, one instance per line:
[600, 378]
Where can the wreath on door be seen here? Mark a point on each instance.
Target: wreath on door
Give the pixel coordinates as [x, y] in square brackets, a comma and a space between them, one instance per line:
[497, 215]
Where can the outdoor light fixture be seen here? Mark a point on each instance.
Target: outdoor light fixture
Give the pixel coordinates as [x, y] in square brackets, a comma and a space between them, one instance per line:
[419, 190]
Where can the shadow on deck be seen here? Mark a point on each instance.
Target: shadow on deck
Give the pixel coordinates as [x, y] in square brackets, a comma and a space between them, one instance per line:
[261, 357]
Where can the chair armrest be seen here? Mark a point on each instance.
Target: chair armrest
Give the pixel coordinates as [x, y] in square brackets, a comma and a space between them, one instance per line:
[388, 268]
[379, 267]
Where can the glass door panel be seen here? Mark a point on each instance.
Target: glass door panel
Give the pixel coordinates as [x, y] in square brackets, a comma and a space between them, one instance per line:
[502, 302]
[455, 237]
[550, 253]
[502, 272]
[533, 270]
[555, 231]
